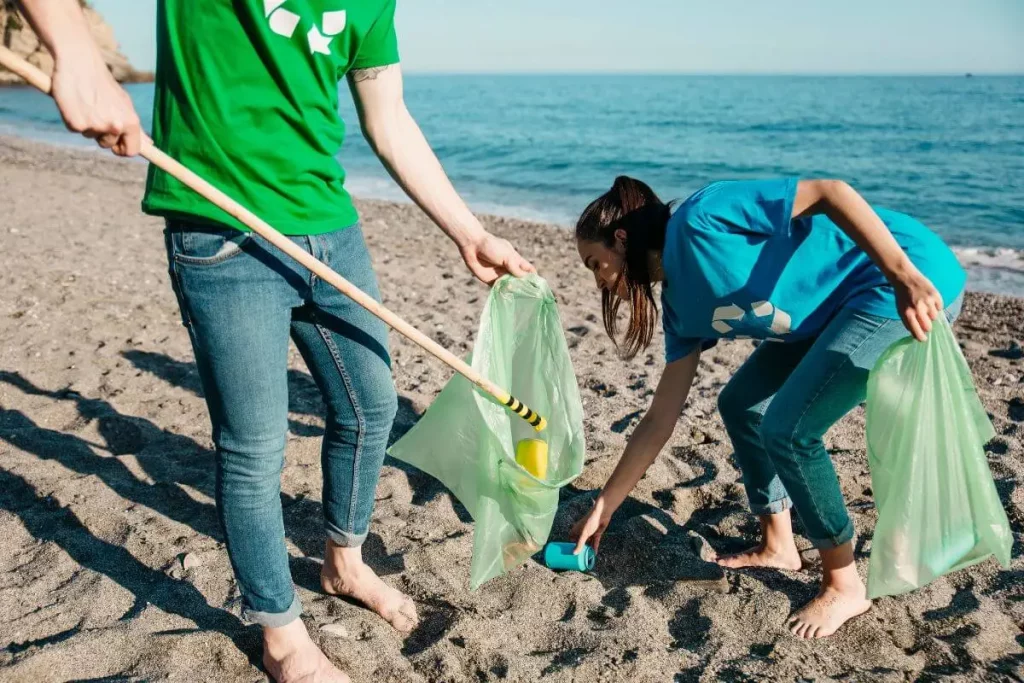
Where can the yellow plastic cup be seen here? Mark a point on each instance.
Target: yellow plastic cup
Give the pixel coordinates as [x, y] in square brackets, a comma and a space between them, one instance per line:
[532, 455]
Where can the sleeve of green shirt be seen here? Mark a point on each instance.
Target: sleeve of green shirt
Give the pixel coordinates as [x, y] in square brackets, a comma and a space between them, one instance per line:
[379, 46]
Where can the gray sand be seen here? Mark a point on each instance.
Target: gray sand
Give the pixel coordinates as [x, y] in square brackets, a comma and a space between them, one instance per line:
[106, 478]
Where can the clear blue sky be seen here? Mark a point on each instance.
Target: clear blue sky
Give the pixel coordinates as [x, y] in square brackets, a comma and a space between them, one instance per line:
[702, 36]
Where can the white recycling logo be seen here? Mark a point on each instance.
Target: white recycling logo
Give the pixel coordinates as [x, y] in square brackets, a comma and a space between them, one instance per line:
[730, 318]
[284, 22]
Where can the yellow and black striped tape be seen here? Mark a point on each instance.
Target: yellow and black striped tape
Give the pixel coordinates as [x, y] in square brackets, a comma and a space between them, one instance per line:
[520, 409]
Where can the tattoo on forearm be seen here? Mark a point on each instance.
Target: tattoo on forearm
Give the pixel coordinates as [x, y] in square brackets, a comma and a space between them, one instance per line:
[370, 74]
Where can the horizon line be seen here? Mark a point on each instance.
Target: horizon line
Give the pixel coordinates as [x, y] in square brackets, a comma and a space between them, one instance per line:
[769, 74]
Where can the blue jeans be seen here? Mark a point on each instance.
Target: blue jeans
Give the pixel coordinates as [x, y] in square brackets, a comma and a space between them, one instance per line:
[241, 299]
[780, 403]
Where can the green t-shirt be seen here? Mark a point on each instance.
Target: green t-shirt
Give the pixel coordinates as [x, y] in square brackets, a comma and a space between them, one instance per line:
[247, 97]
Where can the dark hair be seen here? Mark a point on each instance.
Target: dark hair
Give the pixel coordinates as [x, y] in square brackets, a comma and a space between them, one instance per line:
[632, 206]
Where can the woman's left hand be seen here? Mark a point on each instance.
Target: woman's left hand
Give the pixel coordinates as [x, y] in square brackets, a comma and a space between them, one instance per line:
[490, 257]
[918, 303]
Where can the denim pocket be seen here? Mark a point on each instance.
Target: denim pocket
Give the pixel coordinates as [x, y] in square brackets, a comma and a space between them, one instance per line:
[207, 246]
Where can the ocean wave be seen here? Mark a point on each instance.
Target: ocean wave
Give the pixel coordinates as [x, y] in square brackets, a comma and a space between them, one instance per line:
[1010, 260]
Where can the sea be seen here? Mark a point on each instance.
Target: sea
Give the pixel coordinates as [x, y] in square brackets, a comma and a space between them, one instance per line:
[948, 150]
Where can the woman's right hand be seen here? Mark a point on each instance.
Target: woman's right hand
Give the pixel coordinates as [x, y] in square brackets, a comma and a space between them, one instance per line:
[918, 302]
[591, 526]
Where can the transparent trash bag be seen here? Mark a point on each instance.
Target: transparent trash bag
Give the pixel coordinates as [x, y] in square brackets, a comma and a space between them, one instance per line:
[468, 441]
[938, 509]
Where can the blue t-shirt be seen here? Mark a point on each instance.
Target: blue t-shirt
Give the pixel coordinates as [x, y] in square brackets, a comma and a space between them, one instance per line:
[738, 266]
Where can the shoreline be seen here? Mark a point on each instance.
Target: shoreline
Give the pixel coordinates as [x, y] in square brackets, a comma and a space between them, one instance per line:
[115, 565]
[991, 269]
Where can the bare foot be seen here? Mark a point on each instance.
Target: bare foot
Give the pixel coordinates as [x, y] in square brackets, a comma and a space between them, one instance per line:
[344, 573]
[777, 549]
[290, 656]
[832, 608]
[761, 556]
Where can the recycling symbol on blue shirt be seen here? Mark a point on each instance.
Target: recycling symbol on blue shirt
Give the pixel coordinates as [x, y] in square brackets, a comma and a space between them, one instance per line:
[284, 22]
[763, 316]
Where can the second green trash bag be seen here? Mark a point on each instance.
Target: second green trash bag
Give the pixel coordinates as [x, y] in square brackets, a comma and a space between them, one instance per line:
[938, 509]
[467, 441]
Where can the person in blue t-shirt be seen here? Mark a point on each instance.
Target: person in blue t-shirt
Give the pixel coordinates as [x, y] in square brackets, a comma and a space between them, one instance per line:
[826, 281]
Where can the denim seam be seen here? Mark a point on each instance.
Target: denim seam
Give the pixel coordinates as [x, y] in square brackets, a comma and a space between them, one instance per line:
[758, 414]
[179, 291]
[360, 422]
[312, 275]
[760, 418]
[821, 390]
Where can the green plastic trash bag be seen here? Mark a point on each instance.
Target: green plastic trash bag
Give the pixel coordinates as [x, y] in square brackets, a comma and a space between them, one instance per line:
[467, 440]
[938, 509]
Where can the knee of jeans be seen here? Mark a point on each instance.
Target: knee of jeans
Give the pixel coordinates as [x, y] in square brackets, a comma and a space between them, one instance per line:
[779, 434]
[377, 408]
[251, 455]
[733, 409]
[384, 408]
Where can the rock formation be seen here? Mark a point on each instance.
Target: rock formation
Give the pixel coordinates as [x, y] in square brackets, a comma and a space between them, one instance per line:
[19, 37]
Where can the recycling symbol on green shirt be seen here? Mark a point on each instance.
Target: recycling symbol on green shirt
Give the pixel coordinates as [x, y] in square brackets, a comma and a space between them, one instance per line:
[283, 23]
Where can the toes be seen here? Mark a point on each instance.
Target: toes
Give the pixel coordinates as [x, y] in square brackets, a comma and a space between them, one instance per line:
[733, 561]
[799, 628]
[404, 618]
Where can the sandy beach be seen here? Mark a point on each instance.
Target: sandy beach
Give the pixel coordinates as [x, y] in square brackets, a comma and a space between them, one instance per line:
[113, 566]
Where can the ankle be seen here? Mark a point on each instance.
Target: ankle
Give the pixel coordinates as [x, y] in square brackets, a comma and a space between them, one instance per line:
[279, 642]
[342, 559]
[779, 546]
[777, 534]
[839, 571]
[842, 581]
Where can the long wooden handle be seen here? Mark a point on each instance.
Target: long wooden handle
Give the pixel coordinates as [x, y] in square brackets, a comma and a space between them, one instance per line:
[158, 158]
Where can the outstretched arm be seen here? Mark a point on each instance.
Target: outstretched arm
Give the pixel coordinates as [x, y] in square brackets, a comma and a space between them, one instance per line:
[400, 145]
[917, 300]
[643, 448]
[90, 100]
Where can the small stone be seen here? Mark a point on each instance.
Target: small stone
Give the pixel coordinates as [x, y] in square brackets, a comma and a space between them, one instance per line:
[190, 561]
[701, 547]
[335, 630]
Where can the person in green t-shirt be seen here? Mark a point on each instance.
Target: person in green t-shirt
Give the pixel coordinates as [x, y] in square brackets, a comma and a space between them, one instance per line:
[247, 96]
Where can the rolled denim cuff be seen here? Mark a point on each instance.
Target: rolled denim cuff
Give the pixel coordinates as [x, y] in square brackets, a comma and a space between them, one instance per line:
[843, 537]
[274, 619]
[345, 539]
[773, 507]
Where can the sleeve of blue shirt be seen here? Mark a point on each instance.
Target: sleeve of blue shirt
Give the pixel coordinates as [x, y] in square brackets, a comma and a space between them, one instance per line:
[679, 347]
[763, 207]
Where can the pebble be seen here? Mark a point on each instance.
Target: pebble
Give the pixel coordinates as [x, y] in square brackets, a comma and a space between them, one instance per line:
[336, 630]
[190, 561]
